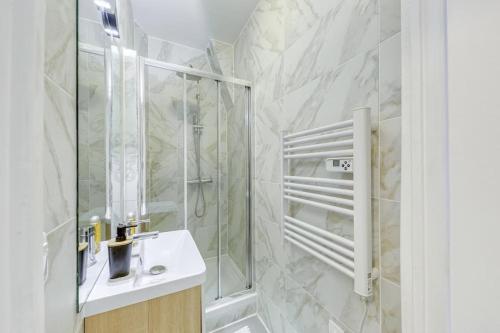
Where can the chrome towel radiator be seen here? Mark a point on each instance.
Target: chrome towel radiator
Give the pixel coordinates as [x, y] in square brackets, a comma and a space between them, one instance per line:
[347, 145]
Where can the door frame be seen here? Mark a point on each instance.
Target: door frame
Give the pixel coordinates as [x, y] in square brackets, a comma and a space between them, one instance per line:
[425, 293]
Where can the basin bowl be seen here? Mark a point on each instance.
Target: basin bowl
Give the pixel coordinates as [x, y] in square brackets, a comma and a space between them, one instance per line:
[175, 250]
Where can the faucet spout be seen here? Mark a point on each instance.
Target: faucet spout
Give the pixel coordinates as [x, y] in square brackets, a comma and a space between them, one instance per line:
[146, 235]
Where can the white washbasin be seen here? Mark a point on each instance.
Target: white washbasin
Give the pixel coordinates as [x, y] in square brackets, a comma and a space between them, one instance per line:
[176, 250]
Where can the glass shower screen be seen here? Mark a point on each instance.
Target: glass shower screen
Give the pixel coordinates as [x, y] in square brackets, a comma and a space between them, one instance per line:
[196, 167]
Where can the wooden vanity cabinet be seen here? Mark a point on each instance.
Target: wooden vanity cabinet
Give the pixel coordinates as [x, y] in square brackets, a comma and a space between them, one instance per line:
[175, 313]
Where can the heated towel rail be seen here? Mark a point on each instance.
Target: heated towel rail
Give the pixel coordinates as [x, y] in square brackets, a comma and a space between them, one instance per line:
[346, 140]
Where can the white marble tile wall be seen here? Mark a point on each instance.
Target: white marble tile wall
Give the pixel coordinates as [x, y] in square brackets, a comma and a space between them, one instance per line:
[312, 61]
[91, 32]
[59, 164]
[91, 136]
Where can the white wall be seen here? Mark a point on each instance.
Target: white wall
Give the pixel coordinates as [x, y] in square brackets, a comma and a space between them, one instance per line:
[21, 182]
[474, 156]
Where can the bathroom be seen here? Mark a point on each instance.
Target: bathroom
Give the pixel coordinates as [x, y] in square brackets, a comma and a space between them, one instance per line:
[264, 166]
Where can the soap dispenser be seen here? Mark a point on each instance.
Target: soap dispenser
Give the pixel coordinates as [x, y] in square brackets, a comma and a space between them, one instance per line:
[119, 253]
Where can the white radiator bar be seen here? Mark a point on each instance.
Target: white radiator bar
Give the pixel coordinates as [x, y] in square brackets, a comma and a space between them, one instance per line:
[344, 143]
[344, 196]
[331, 190]
[340, 134]
[336, 126]
[362, 202]
[321, 257]
[330, 208]
[326, 154]
[349, 263]
[336, 248]
[335, 238]
[341, 182]
[328, 198]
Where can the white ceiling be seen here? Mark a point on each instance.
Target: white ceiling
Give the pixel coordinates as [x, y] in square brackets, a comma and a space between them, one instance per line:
[190, 22]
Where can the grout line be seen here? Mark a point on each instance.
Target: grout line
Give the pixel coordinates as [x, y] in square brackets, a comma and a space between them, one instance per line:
[390, 200]
[386, 280]
[362, 53]
[262, 322]
[390, 37]
[48, 78]
[391, 117]
[60, 226]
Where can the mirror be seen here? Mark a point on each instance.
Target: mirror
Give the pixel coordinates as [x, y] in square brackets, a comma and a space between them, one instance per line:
[92, 151]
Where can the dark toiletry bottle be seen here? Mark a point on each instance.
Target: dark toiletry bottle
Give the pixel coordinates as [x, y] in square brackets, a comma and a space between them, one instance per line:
[119, 252]
[83, 251]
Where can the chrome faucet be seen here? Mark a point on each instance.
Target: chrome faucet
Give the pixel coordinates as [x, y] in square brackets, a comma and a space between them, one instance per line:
[132, 222]
[146, 235]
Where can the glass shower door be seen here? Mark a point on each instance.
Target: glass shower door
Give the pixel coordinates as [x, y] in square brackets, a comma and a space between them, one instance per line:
[196, 171]
[205, 219]
[235, 263]
[217, 170]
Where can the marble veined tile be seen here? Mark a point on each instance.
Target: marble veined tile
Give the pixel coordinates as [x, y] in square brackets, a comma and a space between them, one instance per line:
[270, 86]
[346, 31]
[225, 56]
[269, 243]
[303, 14]
[326, 285]
[391, 307]
[376, 233]
[60, 43]
[390, 159]
[390, 239]
[60, 287]
[268, 201]
[332, 96]
[262, 40]
[390, 18]
[267, 157]
[237, 222]
[352, 313]
[91, 32]
[206, 239]
[305, 314]
[59, 156]
[176, 53]
[140, 40]
[83, 196]
[390, 77]
[269, 123]
[274, 317]
[271, 280]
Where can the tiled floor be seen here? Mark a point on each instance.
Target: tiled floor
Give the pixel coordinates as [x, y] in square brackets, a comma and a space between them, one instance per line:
[251, 324]
[232, 280]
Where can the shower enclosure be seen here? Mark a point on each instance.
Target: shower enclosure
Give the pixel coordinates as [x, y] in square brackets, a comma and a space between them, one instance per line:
[195, 153]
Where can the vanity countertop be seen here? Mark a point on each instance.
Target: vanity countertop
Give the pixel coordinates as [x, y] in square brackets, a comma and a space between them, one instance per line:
[176, 250]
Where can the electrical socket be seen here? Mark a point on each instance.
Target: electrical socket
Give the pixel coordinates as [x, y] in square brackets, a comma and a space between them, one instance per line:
[334, 328]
